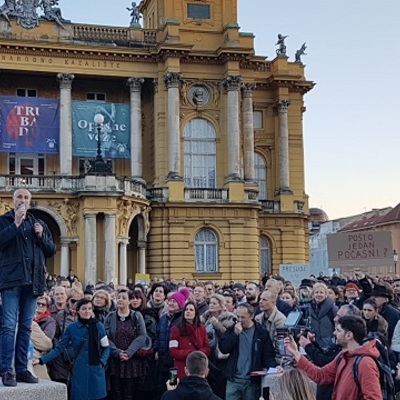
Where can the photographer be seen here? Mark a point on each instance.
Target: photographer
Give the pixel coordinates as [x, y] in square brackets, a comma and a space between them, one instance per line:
[194, 385]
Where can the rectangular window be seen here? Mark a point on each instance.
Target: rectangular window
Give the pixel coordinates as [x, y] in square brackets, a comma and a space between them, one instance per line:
[258, 119]
[26, 92]
[96, 96]
[199, 11]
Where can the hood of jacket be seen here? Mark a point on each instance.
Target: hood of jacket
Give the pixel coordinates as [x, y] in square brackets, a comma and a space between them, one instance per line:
[367, 348]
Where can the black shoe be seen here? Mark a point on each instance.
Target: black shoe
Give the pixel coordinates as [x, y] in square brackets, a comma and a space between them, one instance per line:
[8, 379]
[26, 377]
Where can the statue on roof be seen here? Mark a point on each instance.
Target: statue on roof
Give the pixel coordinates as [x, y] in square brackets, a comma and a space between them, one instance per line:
[281, 50]
[52, 12]
[135, 14]
[300, 52]
[8, 9]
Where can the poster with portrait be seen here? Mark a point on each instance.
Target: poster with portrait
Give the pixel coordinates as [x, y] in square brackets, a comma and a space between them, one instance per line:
[29, 125]
[114, 132]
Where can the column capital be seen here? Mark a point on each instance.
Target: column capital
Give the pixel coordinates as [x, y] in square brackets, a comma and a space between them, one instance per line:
[89, 215]
[247, 89]
[231, 82]
[65, 80]
[172, 79]
[282, 105]
[135, 84]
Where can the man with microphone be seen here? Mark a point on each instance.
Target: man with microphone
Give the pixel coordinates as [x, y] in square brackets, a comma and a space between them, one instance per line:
[25, 242]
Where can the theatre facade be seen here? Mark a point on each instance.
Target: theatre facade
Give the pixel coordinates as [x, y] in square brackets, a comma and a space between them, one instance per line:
[167, 148]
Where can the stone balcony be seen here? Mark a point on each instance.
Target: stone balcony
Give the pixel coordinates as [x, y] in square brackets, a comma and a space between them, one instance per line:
[74, 184]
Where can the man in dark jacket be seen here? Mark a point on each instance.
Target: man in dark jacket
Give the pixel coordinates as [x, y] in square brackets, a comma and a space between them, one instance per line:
[194, 386]
[25, 242]
[250, 349]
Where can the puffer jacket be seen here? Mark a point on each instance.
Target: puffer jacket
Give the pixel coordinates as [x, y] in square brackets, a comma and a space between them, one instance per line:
[341, 374]
[14, 270]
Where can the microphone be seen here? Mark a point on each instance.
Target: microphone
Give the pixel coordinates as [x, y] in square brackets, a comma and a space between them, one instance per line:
[23, 208]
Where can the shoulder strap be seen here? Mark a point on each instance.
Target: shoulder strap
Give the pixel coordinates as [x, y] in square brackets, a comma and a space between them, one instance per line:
[338, 359]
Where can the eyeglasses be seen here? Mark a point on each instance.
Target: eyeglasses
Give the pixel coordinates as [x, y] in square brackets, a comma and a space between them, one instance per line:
[100, 297]
[41, 304]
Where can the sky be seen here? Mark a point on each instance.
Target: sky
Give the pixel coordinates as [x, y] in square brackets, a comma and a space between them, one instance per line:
[351, 134]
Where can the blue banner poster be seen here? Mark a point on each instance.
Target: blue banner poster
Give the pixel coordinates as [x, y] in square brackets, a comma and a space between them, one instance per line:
[29, 125]
[114, 132]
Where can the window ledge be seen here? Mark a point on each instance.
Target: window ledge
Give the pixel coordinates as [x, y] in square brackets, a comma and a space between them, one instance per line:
[207, 275]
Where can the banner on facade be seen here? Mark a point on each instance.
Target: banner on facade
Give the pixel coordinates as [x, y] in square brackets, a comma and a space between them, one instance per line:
[295, 273]
[114, 132]
[29, 125]
[360, 249]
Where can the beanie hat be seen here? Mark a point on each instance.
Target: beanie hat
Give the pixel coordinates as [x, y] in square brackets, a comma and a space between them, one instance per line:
[179, 298]
[240, 287]
[185, 291]
[352, 285]
[381, 291]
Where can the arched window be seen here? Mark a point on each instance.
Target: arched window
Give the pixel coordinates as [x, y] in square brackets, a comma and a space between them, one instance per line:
[206, 248]
[260, 170]
[200, 154]
[265, 255]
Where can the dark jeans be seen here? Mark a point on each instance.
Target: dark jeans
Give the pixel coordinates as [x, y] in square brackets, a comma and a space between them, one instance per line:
[19, 306]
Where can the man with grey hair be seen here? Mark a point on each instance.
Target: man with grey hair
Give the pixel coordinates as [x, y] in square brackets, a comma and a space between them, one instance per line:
[25, 242]
[276, 286]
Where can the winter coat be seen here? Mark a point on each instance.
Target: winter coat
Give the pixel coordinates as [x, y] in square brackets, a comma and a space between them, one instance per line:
[88, 382]
[341, 374]
[262, 352]
[392, 316]
[42, 344]
[191, 388]
[321, 317]
[14, 269]
[181, 346]
[272, 322]
[161, 344]
[225, 320]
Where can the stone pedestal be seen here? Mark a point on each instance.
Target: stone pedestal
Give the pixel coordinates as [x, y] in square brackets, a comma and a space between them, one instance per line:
[43, 390]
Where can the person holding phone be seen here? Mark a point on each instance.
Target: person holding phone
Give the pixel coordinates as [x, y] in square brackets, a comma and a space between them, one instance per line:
[194, 384]
[25, 243]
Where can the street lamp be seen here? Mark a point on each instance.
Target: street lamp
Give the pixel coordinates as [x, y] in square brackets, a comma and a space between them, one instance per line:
[98, 165]
[395, 259]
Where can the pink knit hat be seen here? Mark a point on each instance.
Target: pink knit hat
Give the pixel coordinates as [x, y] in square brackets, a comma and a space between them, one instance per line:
[180, 298]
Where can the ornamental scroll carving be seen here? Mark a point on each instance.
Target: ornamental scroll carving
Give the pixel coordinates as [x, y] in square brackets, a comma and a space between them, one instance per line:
[127, 210]
[68, 210]
[4, 207]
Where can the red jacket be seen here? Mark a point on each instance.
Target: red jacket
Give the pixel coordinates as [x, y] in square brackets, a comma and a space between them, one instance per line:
[342, 375]
[195, 340]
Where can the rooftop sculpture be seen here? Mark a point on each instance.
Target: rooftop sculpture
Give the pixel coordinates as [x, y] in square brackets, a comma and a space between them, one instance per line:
[135, 14]
[281, 50]
[300, 52]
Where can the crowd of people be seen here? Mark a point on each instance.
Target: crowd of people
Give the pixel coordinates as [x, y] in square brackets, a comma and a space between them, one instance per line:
[121, 341]
[131, 335]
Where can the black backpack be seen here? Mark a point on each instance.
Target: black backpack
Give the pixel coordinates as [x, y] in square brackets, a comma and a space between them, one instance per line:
[385, 372]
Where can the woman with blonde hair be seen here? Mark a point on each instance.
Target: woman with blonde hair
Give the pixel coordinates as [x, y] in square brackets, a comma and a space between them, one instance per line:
[320, 315]
[295, 385]
[101, 304]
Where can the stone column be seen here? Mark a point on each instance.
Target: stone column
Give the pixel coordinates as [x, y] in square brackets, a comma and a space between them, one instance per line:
[232, 85]
[135, 88]
[123, 267]
[110, 247]
[172, 81]
[141, 245]
[248, 132]
[90, 248]
[284, 182]
[64, 262]
[65, 82]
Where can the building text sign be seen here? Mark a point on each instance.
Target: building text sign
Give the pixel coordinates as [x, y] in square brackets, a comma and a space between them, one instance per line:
[360, 249]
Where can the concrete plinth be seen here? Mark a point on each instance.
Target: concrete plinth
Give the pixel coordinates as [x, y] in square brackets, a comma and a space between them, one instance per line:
[43, 390]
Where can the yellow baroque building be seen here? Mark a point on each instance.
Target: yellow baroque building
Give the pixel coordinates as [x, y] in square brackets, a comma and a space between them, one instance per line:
[200, 171]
